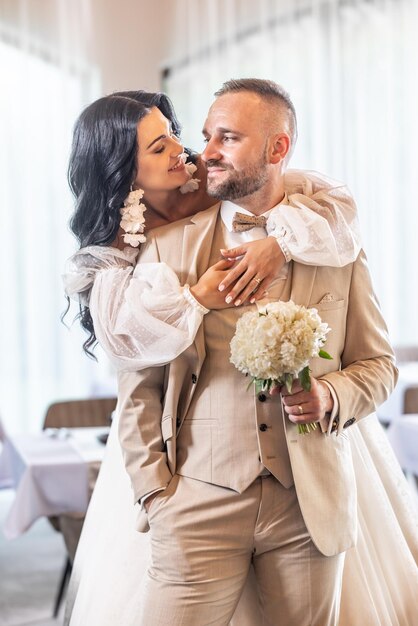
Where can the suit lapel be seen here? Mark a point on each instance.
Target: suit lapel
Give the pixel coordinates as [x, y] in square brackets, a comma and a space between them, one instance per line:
[303, 278]
[197, 244]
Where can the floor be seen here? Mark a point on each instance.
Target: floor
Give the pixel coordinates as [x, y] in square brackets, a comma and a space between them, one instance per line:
[30, 567]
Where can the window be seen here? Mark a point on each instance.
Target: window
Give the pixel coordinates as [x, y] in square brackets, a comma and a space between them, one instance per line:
[350, 67]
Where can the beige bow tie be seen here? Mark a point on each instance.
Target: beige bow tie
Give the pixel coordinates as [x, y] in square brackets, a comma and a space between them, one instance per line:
[242, 222]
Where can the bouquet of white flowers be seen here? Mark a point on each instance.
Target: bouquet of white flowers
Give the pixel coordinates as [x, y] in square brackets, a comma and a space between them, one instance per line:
[275, 344]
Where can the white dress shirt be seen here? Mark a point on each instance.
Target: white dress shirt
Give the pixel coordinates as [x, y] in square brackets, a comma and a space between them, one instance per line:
[235, 239]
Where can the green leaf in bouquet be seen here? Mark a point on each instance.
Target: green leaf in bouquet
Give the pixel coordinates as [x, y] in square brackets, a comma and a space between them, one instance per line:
[324, 355]
[267, 385]
[305, 378]
[288, 381]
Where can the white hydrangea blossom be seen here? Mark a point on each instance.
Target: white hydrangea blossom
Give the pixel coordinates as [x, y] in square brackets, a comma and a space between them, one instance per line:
[133, 220]
[193, 183]
[276, 343]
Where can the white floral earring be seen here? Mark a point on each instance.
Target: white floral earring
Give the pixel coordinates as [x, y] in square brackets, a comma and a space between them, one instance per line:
[133, 221]
[193, 183]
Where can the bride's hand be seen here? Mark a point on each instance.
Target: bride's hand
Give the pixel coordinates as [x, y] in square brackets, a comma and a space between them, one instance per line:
[206, 289]
[261, 261]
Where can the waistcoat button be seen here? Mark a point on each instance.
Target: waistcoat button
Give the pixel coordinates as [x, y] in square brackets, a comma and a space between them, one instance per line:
[263, 427]
[194, 379]
[262, 397]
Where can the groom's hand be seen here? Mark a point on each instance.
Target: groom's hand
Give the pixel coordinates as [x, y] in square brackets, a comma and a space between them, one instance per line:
[148, 501]
[302, 406]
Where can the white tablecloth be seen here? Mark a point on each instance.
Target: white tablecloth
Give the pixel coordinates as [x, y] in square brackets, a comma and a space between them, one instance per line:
[49, 473]
[403, 435]
[393, 407]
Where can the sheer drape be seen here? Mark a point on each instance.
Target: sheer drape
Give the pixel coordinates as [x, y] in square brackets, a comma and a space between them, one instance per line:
[351, 68]
[43, 89]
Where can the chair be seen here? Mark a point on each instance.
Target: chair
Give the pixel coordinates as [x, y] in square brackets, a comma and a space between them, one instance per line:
[2, 432]
[411, 399]
[75, 414]
[80, 413]
[406, 354]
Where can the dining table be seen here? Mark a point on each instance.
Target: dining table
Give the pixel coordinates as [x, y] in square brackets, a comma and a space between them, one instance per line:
[50, 472]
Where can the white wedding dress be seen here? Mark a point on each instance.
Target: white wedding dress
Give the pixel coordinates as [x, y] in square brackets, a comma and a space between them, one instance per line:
[143, 317]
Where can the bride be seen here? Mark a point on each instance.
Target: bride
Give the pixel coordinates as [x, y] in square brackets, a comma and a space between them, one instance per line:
[143, 316]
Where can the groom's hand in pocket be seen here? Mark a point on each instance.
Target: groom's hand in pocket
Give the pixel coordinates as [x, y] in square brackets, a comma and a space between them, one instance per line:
[148, 501]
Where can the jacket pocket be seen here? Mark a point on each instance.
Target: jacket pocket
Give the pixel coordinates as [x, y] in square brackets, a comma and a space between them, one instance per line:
[333, 313]
[328, 305]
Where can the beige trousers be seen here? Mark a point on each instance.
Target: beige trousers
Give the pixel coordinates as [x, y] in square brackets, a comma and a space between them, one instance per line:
[203, 540]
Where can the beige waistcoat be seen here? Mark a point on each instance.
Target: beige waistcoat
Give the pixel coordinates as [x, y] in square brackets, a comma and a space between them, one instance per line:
[231, 435]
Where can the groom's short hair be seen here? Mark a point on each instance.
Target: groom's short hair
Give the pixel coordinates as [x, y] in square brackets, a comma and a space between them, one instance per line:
[268, 90]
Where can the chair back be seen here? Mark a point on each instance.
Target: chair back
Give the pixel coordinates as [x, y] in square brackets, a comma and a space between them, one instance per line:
[80, 413]
[2, 431]
[405, 354]
[411, 399]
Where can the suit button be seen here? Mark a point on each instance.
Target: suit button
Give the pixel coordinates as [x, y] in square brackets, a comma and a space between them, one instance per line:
[178, 422]
[263, 427]
[194, 379]
[349, 422]
[262, 397]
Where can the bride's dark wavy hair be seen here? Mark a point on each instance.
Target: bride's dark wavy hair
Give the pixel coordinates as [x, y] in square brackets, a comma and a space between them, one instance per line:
[102, 168]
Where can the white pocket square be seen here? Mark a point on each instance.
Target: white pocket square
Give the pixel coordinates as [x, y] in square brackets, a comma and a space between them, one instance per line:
[328, 297]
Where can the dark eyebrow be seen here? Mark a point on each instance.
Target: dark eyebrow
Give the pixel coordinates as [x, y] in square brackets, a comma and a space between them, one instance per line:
[229, 130]
[155, 140]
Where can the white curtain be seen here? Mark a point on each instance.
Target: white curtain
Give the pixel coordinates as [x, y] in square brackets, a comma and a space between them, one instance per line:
[351, 69]
[45, 82]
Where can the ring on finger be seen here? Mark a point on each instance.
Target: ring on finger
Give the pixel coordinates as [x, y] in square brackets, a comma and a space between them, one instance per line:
[257, 280]
[300, 409]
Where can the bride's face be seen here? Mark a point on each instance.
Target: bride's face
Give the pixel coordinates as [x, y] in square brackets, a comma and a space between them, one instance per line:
[159, 165]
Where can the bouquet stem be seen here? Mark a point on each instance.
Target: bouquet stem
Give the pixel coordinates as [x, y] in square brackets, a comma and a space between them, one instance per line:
[304, 429]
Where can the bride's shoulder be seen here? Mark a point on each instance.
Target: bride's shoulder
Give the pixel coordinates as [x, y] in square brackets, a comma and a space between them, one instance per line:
[84, 265]
[309, 182]
[98, 257]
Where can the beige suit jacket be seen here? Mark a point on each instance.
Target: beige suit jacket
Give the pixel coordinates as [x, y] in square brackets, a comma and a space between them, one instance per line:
[154, 402]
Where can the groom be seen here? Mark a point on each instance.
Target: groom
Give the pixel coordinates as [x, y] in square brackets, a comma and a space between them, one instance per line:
[224, 475]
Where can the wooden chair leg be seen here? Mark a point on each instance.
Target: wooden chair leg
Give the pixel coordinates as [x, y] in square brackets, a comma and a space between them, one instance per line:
[65, 576]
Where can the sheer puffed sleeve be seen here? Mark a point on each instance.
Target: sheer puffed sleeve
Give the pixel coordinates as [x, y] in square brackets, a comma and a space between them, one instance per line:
[318, 225]
[142, 316]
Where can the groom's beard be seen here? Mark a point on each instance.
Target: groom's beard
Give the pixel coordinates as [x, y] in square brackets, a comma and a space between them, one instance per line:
[238, 184]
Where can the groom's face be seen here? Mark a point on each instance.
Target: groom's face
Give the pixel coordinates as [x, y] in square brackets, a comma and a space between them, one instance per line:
[236, 153]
